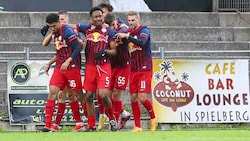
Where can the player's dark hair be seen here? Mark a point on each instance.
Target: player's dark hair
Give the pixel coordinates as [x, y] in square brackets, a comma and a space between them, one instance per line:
[52, 18]
[109, 18]
[106, 5]
[95, 9]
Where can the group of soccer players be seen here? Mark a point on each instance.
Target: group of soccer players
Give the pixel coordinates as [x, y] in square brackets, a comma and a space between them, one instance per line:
[115, 56]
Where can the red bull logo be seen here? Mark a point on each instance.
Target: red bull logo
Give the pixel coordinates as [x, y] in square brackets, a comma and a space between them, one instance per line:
[59, 42]
[58, 45]
[96, 37]
[133, 47]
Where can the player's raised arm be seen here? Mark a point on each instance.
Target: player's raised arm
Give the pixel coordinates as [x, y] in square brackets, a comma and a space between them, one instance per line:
[47, 40]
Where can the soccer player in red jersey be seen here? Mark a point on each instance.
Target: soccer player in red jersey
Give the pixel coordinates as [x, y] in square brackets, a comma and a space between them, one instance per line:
[141, 69]
[64, 19]
[120, 69]
[67, 68]
[100, 45]
[125, 116]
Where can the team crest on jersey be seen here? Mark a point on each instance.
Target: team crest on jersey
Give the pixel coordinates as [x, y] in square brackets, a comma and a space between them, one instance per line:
[59, 42]
[97, 37]
[104, 30]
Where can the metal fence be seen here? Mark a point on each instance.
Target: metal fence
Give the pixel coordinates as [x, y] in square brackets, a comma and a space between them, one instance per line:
[161, 53]
[233, 5]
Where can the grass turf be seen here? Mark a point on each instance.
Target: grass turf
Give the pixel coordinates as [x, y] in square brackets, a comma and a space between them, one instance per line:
[193, 135]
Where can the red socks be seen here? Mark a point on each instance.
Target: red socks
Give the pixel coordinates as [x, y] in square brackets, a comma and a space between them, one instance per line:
[49, 109]
[91, 121]
[137, 113]
[117, 105]
[60, 113]
[75, 111]
[148, 105]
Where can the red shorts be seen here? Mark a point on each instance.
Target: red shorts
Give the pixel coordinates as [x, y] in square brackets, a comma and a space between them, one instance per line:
[70, 79]
[140, 82]
[120, 77]
[97, 77]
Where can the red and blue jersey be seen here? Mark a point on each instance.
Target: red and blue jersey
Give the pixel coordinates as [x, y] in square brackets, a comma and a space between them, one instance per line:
[140, 49]
[121, 59]
[62, 42]
[98, 38]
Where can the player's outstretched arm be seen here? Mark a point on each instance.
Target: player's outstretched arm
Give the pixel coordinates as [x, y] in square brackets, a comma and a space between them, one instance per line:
[140, 41]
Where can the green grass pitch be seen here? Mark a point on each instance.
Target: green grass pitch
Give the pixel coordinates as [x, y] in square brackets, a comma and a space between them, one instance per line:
[190, 135]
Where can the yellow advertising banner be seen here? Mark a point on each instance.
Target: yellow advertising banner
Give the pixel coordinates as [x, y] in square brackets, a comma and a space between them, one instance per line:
[201, 91]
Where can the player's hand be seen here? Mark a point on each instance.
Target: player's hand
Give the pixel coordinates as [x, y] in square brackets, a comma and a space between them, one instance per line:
[44, 30]
[64, 66]
[100, 54]
[46, 69]
[121, 35]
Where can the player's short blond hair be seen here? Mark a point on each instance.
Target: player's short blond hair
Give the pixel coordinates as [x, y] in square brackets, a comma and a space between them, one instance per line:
[133, 13]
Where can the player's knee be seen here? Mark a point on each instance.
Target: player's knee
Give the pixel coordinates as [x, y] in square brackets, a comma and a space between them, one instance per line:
[134, 99]
[89, 98]
[72, 98]
[61, 97]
